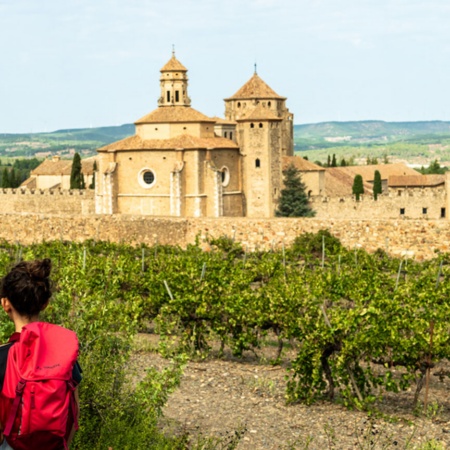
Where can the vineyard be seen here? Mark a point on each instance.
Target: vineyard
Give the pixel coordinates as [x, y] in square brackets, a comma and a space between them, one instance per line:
[359, 325]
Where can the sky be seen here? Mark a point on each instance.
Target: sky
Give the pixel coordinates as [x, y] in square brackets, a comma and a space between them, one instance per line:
[81, 63]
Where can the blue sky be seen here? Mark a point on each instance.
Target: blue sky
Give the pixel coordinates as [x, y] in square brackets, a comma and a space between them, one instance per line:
[81, 63]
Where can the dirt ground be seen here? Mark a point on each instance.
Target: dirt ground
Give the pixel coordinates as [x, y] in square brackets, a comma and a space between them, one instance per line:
[219, 397]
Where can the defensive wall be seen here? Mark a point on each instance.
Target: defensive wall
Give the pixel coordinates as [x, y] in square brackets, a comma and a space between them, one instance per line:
[406, 203]
[419, 239]
[47, 201]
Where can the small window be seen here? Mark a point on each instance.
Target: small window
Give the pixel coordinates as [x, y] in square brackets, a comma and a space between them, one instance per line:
[168, 96]
[424, 210]
[402, 211]
[252, 125]
[225, 176]
[146, 178]
[257, 163]
[177, 96]
[239, 104]
[399, 193]
[442, 213]
[231, 135]
[260, 125]
[269, 104]
[225, 134]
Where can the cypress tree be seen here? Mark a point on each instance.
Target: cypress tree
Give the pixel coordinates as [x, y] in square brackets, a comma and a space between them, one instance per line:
[5, 178]
[94, 170]
[333, 161]
[358, 187]
[12, 179]
[76, 181]
[293, 201]
[377, 189]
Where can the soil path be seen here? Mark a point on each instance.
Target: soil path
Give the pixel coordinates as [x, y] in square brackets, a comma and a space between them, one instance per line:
[218, 397]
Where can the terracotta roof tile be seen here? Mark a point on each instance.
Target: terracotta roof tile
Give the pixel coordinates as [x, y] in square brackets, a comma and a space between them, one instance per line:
[220, 121]
[167, 114]
[184, 141]
[29, 183]
[416, 180]
[301, 164]
[62, 167]
[258, 113]
[339, 183]
[173, 65]
[255, 88]
[386, 170]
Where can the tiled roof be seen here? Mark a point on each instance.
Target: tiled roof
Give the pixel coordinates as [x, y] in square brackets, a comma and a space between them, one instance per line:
[29, 183]
[258, 113]
[220, 121]
[386, 170]
[63, 167]
[416, 180]
[303, 165]
[183, 141]
[339, 183]
[173, 65]
[255, 88]
[168, 114]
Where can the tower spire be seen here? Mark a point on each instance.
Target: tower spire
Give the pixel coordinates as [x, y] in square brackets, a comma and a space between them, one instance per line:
[256, 71]
[173, 50]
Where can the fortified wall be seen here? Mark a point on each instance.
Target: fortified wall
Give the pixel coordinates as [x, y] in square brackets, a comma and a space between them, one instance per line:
[47, 201]
[418, 239]
[407, 203]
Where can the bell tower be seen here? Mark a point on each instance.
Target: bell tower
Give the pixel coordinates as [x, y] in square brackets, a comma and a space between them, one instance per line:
[174, 83]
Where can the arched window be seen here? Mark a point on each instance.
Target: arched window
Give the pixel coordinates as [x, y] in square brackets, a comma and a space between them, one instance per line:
[257, 163]
[239, 104]
[252, 125]
[260, 125]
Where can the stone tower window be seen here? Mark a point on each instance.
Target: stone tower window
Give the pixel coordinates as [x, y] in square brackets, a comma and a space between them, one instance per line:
[231, 135]
[260, 125]
[239, 104]
[252, 125]
[168, 96]
[147, 178]
[269, 104]
[402, 211]
[177, 96]
[225, 176]
[225, 134]
[257, 163]
[424, 210]
[442, 213]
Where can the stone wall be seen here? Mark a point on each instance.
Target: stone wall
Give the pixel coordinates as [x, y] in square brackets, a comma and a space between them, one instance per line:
[410, 204]
[419, 239]
[44, 201]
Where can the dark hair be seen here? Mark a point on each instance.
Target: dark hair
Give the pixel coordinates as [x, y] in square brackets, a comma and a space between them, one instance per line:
[27, 286]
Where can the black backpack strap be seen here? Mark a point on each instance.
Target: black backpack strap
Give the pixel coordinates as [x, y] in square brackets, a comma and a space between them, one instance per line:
[4, 350]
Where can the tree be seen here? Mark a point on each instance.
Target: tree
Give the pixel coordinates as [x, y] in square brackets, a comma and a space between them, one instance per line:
[13, 182]
[293, 201]
[377, 189]
[328, 161]
[433, 168]
[5, 178]
[333, 161]
[76, 177]
[358, 187]
[343, 162]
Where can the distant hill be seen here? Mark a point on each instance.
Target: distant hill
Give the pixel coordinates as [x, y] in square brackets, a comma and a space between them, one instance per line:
[416, 142]
[333, 134]
[63, 142]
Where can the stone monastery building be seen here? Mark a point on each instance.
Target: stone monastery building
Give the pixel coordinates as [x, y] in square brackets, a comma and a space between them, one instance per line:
[183, 163]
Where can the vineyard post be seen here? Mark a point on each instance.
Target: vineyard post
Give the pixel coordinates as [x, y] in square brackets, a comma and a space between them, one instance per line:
[429, 359]
[398, 275]
[168, 290]
[203, 271]
[323, 252]
[84, 259]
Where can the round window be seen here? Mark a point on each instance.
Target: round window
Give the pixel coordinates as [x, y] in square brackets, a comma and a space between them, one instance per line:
[146, 178]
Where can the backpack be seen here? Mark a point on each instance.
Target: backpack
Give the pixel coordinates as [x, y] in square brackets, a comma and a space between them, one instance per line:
[38, 394]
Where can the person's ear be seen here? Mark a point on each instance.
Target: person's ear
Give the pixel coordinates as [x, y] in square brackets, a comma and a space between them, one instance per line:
[6, 305]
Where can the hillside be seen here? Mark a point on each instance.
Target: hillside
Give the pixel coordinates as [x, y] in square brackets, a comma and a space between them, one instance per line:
[415, 142]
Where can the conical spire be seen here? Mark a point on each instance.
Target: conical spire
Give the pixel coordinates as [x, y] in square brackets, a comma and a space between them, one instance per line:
[174, 83]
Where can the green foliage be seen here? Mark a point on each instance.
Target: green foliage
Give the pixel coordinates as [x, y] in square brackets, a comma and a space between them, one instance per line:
[377, 187]
[433, 168]
[5, 178]
[358, 187]
[76, 177]
[293, 201]
[94, 174]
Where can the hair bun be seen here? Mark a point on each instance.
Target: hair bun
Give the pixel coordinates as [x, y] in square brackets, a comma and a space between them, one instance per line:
[40, 269]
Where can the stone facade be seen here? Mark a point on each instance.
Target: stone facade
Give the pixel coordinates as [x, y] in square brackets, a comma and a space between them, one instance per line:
[181, 163]
[419, 239]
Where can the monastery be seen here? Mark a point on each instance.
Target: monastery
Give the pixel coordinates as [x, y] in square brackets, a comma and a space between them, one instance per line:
[182, 163]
